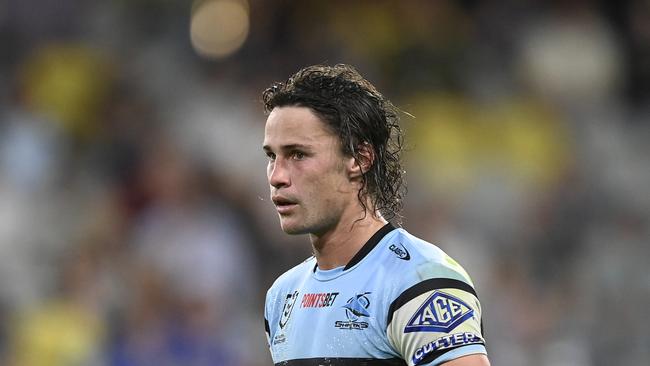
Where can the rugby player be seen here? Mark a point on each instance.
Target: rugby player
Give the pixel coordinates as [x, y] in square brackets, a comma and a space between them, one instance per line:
[371, 294]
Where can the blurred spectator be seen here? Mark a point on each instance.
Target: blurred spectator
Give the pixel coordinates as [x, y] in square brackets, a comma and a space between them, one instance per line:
[67, 83]
[135, 226]
[197, 273]
[68, 329]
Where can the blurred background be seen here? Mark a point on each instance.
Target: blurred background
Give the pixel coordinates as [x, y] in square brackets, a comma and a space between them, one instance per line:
[135, 224]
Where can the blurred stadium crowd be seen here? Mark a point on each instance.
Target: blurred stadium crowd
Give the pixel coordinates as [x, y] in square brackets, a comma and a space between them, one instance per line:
[135, 227]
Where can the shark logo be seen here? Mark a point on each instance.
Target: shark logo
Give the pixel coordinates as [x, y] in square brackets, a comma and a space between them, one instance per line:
[355, 308]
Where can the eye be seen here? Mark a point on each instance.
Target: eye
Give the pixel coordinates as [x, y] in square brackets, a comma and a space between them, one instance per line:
[298, 155]
[270, 155]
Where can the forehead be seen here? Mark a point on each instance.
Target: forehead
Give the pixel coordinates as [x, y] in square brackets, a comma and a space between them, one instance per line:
[295, 125]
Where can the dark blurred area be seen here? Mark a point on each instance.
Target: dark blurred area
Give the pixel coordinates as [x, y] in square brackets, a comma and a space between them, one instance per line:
[135, 224]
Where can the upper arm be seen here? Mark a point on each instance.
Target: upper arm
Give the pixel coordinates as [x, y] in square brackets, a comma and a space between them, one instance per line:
[268, 316]
[470, 360]
[267, 331]
[437, 321]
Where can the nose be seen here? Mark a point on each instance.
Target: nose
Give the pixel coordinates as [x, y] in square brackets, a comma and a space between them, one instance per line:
[278, 174]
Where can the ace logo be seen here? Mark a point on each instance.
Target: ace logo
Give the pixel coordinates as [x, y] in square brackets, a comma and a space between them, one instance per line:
[441, 312]
[289, 303]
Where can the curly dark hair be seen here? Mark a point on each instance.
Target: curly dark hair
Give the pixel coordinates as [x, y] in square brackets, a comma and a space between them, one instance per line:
[354, 110]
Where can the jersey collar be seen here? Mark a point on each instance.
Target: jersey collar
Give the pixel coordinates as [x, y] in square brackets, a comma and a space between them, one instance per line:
[365, 249]
[370, 245]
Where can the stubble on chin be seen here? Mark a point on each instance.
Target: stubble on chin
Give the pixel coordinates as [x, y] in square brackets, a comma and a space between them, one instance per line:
[292, 229]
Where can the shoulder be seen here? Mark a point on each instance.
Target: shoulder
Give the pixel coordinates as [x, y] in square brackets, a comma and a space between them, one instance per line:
[428, 271]
[422, 260]
[435, 314]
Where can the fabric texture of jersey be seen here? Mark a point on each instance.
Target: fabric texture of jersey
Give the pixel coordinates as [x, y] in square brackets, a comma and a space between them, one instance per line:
[399, 301]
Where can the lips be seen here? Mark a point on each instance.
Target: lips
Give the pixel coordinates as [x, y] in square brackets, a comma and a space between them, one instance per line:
[283, 205]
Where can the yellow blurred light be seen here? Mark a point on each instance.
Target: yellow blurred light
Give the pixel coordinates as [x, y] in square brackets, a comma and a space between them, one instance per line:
[219, 27]
[69, 84]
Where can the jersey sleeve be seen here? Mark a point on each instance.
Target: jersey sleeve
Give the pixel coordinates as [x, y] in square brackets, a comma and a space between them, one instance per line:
[267, 317]
[267, 331]
[435, 321]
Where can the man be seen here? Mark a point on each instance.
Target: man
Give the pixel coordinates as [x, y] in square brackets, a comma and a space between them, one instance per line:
[372, 293]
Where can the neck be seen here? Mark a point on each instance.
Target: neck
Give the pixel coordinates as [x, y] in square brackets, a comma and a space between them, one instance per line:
[337, 246]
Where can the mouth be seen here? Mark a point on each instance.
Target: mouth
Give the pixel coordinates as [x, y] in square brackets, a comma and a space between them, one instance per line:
[283, 205]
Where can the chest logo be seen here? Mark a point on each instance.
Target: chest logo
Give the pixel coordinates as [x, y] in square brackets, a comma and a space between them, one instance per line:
[356, 309]
[441, 312]
[318, 300]
[289, 303]
[400, 251]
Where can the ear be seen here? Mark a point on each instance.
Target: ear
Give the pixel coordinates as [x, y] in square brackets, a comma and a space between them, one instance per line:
[365, 158]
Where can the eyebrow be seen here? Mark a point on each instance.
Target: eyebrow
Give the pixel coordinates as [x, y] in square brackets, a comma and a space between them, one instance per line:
[289, 147]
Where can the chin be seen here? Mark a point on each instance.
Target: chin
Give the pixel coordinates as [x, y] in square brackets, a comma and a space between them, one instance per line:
[293, 228]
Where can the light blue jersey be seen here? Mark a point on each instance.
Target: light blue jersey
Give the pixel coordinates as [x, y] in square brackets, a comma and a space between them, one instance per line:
[399, 301]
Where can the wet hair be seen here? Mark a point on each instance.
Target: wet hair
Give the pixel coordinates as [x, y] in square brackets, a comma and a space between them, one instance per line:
[353, 109]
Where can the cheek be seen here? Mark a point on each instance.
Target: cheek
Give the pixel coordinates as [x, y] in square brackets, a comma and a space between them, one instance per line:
[321, 184]
[326, 190]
